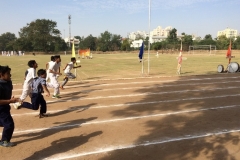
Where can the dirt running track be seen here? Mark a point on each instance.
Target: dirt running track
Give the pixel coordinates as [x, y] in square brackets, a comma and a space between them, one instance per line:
[170, 118]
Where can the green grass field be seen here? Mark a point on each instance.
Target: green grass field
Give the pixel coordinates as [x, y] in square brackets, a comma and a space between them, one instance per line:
[124, 65]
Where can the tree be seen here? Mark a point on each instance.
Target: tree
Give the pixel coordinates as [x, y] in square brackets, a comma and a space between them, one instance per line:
[207, 40]
[208, 37]
[108, 42]
[89, 42]
[145, 41]
[115, 44]
[104, 41]
[41, 33]
[125, 45]
[222, 42]
[172, 38]
[236, 43]
[7, 40]
[187, 41]
[156, 45]
[22, 44]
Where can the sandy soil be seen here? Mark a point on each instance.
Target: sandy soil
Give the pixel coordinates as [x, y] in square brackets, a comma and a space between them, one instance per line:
[171, 118]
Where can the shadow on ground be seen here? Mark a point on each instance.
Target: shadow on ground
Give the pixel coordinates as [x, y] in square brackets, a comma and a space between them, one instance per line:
[200, 133]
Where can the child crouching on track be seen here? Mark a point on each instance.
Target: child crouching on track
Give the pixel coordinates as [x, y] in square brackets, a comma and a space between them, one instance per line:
[38, 87]
[67, 71]
[6, 120]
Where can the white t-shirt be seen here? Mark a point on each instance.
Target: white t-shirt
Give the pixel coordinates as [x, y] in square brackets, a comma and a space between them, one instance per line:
[49, 63]
[54, 66]
[30, 75]
[69, 67]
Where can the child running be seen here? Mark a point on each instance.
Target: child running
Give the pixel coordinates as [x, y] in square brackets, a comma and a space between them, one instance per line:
[30, 74]
[53, 72]
[6, 120]
[38, 87]
[47, 66]
[67, 71]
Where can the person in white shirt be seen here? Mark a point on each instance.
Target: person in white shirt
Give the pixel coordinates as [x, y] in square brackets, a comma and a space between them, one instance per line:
[30, 75]
[47, 66]
[53, 72]
[67, 71]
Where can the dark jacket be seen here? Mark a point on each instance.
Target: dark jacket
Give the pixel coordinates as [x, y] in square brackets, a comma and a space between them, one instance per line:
[5, 93]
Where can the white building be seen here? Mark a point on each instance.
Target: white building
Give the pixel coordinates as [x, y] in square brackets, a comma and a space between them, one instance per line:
[159, 34]
[136, 43]
[228, 33]
[137, 35]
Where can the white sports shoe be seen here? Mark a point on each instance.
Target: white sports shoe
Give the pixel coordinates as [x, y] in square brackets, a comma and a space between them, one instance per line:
[16, 105]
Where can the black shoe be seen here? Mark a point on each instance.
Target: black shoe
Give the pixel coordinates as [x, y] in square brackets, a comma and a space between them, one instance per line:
[42, 115]
[7, 144]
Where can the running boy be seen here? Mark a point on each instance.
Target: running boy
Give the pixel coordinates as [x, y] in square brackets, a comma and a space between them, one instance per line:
[6, 98]
[53, 72]
[38, 87]
[30, 74]
[67, 71]
[47, 66]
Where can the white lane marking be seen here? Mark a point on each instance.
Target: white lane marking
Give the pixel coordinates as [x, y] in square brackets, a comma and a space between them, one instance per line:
[121, 147]
[143, 82]
[139, 94]
[145, 87]
[130, 104]
[123, 119]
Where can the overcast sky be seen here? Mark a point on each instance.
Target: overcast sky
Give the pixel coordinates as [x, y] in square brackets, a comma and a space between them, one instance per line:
[199, 17]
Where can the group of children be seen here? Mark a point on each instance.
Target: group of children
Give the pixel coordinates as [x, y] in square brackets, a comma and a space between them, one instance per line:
[33, 86]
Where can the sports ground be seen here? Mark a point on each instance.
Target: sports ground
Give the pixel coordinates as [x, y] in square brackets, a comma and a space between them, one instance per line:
[193, 116]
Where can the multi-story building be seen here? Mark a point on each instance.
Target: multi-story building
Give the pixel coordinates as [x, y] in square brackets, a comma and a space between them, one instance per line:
[157, 35]
[229, 33]
[137, 35]
[161, 32]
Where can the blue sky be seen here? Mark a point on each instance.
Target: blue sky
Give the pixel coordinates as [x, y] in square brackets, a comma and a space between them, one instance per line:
[198, 17]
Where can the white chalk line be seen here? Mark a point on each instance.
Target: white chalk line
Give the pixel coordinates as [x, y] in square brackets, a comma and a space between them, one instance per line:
[131, 103]
[162, 81]
[138, 94]
[143, 82]
[144, 87]
[124, 119]
[121, 147]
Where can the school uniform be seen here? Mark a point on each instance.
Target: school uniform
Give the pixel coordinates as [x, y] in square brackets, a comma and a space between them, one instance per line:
[49, 63]
[31, 74]
[37, 97]
[68, 73]
[6, 119]
[57, 68]
[53, 79]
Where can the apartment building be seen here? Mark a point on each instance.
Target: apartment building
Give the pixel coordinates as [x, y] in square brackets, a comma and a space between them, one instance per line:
[228, 32]
[157, 35]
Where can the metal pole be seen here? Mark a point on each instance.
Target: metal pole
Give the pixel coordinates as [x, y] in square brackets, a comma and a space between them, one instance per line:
[149, 33]
[69, 22]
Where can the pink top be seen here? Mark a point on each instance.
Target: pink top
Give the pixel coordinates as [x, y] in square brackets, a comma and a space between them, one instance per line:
[179, 59]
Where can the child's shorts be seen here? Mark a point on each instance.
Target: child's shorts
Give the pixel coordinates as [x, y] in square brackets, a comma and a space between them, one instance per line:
[70, 75]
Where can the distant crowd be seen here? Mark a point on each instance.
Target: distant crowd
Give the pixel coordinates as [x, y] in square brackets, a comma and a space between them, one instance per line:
[12, 53]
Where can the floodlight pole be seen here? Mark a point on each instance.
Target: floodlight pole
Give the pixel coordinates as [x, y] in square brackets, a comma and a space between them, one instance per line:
[69, 22]
[149, 20]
